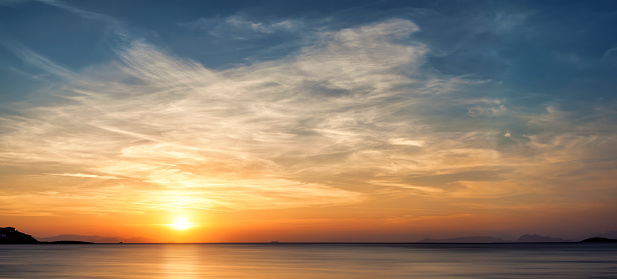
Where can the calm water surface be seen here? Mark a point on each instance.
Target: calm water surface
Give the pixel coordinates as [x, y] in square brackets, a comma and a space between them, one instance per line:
[569, 260]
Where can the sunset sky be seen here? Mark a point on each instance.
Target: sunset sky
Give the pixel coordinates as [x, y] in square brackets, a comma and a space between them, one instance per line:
[216, 121]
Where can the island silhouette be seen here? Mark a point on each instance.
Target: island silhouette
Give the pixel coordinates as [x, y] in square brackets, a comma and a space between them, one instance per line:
[599, 239]
[10, 235]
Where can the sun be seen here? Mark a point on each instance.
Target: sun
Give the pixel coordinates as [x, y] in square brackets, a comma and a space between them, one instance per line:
[181, 224]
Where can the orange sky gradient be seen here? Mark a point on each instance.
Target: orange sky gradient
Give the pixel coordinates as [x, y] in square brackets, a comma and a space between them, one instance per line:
[352, 137]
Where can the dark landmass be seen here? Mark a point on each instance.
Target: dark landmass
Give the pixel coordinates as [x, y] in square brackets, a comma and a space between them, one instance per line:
[65, 242]
[9, 235]
[606, 234]
[538, 238]
[470, 239]
[599, 239]
[95, 239]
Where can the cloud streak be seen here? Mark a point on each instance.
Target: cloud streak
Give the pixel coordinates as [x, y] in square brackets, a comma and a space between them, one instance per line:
[239, 27]
[355, 114]
[84, 175]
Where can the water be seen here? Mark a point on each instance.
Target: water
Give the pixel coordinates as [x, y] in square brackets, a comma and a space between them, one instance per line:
[564, 260]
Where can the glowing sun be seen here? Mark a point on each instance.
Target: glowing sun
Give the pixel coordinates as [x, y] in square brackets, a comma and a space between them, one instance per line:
[181, 224]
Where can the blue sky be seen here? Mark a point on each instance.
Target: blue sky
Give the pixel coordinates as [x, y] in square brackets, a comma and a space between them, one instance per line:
[544, 48]
[476, 109]
[547, 49]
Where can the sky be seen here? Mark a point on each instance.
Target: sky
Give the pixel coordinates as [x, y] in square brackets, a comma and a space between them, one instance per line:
[243, 121]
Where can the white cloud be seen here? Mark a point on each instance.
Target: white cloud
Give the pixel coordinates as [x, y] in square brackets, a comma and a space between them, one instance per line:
[240, 27]
[503, 22]
[84, 175]
[354, 112]
[610, 51]
[403, 141]
[494, 110]
[36, 60]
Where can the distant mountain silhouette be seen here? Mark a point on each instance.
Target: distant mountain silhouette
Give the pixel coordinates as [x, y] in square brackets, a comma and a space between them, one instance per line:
[599, 239]
[96, 239]
[66, 242]
[9, 235]
[538, 238]
[469, 239]
[504, 235]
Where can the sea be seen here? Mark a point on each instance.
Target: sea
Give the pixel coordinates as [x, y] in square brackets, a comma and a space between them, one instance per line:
[296, 261]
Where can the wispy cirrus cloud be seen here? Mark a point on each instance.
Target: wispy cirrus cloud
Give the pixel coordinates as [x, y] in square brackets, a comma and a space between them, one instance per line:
[240, 27]
[110, 21]
[85, 175]
[36, 60]
[355, 113]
